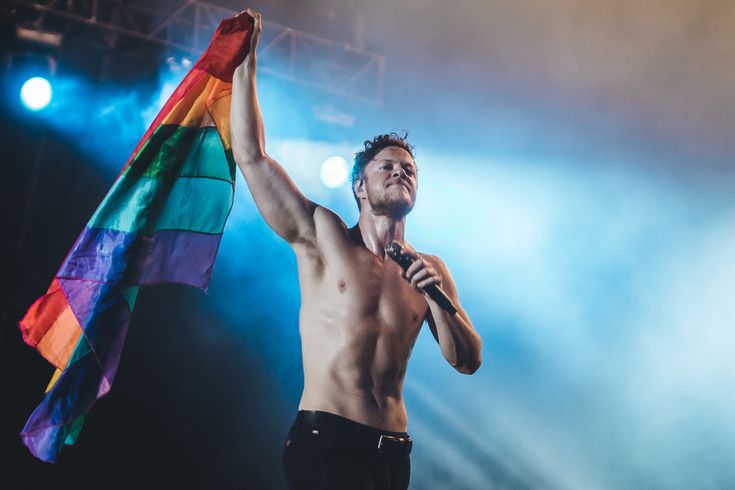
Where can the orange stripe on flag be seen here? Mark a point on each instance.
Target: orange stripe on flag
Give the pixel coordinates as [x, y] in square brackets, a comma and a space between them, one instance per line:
[58, 344]
[191, 80]
[218, 104]
[191, 110]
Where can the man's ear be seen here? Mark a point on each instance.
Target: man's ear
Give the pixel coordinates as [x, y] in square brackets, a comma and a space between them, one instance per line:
[359, 186]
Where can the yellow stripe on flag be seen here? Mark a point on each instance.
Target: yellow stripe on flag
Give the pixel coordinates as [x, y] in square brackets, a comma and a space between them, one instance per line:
[54, 378]
[191, 110]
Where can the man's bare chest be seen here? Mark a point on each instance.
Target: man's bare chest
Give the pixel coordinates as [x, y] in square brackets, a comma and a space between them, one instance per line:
[354, 283]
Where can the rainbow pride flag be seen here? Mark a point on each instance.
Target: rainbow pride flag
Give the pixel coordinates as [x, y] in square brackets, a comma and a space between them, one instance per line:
[161, 221]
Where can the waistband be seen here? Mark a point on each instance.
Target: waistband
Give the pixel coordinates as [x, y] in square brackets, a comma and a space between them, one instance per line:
[353, 432]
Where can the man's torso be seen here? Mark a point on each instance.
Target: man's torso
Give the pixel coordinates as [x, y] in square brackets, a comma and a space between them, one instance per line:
[358, 322]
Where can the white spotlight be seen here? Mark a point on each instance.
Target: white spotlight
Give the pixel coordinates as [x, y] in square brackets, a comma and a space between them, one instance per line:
[334, 171]
[36, 93]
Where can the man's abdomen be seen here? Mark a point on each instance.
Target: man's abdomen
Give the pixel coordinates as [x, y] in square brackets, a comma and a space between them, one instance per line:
[356, 373]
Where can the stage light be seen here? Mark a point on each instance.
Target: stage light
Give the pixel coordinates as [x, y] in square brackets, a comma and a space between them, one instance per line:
[334, 171]
[39, 36]
[36, 93]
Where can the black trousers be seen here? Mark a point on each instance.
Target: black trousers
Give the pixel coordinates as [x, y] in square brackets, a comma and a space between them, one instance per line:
[324, 451]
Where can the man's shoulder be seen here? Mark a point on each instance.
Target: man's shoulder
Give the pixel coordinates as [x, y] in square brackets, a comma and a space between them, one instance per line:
[327, 221]
[434, 260]
[328, 230]
[324, 213]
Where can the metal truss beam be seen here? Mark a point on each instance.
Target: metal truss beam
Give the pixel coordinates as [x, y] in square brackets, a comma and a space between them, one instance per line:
[187, 25]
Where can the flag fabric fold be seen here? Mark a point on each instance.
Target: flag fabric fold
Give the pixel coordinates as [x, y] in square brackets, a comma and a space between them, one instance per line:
[161, 221]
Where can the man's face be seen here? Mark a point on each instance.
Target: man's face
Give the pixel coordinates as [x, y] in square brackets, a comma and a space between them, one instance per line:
[389, 183]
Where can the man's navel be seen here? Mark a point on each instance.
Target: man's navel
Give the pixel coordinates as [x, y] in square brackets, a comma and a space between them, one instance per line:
[342, 286]
[374, 401]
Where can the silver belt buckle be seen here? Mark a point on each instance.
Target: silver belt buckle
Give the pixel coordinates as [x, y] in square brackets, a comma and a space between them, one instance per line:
[389, 438]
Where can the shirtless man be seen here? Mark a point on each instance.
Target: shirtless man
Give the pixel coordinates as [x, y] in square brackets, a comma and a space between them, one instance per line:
[360, 313]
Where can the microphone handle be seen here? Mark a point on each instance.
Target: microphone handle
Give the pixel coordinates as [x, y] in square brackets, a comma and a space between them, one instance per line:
[437, 294]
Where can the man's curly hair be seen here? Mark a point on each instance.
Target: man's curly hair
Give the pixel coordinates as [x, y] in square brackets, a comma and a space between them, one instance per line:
[372, 148]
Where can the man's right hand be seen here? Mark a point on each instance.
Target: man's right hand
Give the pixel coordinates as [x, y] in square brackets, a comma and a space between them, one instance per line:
[248, 141]
[254, 37]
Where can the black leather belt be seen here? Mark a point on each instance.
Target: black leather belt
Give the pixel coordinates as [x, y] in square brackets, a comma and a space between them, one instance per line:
[351, 433]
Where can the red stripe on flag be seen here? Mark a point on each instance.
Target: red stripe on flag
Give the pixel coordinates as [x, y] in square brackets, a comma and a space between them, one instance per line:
[43, 313]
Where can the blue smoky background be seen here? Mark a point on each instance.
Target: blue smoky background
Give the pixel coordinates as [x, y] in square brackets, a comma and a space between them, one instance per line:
[576, 174]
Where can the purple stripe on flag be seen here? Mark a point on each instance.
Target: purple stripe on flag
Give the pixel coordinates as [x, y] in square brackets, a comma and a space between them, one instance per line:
[103, 313]
[114, 256]
[100, 255]
[184, 257]
[73, 394]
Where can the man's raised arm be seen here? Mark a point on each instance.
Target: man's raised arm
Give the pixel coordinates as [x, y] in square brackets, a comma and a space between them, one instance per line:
[286, 210]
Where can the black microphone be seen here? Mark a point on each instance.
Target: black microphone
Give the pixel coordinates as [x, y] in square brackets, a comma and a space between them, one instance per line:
[433, 290]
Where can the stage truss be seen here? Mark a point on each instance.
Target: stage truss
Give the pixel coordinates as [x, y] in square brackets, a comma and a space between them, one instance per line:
[185, 26]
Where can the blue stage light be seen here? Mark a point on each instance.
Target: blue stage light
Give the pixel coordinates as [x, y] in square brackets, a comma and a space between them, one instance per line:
[36, 93]
[334, 171]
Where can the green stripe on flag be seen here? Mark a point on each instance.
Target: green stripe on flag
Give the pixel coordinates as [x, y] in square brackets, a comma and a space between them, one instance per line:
[174, 151]
[147, 153]
[130, 204]
[82, 349]
[207, 158]
[73, 430]
[194, 204]
[149, 205]
[167, 154]
[130, 294]
[187, 184]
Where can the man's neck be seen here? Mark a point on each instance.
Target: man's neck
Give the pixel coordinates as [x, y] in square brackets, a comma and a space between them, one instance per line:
[377, 232]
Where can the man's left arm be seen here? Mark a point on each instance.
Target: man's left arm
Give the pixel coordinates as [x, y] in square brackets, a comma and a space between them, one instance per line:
[459, 342]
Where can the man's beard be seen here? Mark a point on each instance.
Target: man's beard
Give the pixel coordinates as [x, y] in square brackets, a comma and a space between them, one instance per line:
[392, 207]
